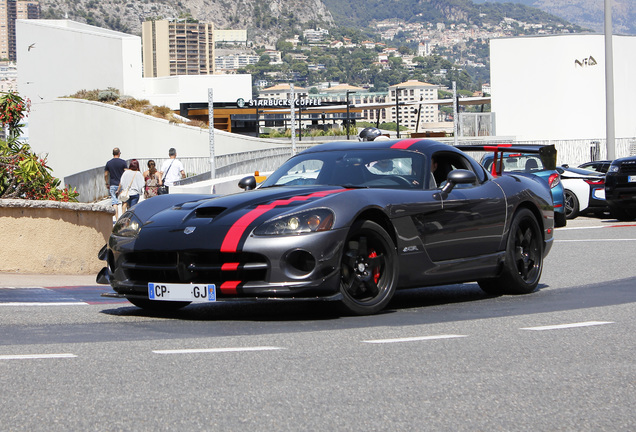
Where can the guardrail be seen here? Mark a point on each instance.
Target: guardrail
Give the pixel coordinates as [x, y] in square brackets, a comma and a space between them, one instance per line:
[91, 188]
[90, 183]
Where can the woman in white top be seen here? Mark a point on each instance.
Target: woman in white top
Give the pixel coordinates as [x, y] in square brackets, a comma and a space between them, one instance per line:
[132, 183]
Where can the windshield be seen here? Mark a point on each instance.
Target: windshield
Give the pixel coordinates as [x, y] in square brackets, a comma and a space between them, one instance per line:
[385, 168]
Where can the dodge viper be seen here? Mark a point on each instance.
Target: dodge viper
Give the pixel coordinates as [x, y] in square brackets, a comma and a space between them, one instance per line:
[343, 221]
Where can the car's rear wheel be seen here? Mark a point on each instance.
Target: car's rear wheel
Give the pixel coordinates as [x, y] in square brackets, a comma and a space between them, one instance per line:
[524, 258]
[571, 205]
[621, 214]
[162, 306]
[560, 220]
[368, 270]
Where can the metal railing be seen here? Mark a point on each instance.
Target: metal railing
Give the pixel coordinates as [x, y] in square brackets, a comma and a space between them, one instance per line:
[90, 183]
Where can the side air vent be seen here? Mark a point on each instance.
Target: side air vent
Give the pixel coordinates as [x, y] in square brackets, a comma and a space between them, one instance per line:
[209, 212]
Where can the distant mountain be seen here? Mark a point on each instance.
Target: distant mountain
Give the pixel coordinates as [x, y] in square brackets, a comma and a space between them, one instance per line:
[265, 20]
[361, 13]
[586, 13]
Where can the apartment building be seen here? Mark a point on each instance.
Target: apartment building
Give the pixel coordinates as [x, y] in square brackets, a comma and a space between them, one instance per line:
[414, 91]
[177, 47]
[10, 10]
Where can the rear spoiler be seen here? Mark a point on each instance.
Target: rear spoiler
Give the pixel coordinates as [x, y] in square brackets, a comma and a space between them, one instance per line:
[547, 153]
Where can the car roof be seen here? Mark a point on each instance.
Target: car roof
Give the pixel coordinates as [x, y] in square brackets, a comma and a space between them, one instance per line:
[425, 146]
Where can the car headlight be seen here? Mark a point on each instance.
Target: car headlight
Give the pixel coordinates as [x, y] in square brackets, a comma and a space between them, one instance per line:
[299, 223]
[127, 225]
[613, 168]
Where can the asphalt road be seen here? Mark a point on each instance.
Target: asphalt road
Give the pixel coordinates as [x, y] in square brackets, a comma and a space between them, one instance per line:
[438, 359]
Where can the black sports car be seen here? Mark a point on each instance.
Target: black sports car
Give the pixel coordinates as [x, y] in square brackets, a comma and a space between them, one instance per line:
[340, 221]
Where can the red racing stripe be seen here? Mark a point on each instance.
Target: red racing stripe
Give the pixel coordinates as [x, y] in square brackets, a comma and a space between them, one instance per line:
[229, 266]
[404, 144]
[236, 231]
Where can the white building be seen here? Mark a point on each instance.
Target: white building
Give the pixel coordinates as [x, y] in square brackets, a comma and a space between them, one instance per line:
[553, 87]
[66, 57]
[414, 91]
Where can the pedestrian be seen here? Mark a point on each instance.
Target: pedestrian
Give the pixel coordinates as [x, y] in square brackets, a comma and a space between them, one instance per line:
[112, 175]
[171, 169]
[152, 180]
[131, 185]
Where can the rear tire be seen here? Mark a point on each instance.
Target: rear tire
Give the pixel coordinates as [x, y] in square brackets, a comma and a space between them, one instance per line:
[621, 214]
[560, 220]
[524, 258]
[368, 269]
[161, 306]
[571, 205]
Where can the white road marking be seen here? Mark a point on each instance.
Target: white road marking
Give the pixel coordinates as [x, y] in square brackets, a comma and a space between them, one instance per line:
[44, 304]
[35, 356]
[413, 339]
[593, 240]
[215, 350]
[566, 326]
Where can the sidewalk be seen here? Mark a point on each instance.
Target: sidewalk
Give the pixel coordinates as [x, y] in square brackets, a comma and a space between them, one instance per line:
[23, 280]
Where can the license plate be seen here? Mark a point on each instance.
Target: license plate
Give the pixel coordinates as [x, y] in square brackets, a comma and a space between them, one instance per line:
[201, 293]
[631, 179]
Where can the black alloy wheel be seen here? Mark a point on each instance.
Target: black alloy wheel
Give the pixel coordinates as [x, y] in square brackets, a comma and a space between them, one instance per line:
[571, 203]
[368, 270]
[524, 258]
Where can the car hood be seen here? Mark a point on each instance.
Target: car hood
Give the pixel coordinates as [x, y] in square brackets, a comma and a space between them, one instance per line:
[213, 222]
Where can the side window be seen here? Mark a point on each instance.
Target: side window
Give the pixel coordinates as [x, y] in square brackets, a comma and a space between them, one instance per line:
[442, 163]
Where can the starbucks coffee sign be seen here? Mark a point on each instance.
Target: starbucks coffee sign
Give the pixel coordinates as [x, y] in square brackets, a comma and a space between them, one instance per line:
[272, 103]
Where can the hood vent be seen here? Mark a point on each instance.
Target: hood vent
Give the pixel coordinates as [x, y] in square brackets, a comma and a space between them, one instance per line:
[209, 212]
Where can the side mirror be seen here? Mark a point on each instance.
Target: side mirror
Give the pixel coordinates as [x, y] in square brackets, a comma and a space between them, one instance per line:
[247, 183]
[458, 176]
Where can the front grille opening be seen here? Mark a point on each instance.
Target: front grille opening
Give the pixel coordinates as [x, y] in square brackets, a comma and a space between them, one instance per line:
[194, 267]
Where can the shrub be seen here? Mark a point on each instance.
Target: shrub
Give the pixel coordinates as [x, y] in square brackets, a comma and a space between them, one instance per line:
[24, 174]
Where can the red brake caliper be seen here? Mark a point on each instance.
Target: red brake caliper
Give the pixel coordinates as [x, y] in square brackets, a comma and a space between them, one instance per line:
[375, 270]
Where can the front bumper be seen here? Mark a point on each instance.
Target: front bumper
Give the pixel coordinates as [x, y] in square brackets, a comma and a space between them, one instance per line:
[305, 266]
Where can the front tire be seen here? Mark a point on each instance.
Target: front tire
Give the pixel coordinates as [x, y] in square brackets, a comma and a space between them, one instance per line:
[368, 269]
[571, 205]
[524, 258]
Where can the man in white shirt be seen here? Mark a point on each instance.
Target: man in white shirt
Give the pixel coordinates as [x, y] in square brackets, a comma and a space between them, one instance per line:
[172, 169]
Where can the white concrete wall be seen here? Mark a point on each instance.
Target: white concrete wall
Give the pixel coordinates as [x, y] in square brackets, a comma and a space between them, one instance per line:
[79, 135]
[539, 92]
[59, 57]
[171, 91]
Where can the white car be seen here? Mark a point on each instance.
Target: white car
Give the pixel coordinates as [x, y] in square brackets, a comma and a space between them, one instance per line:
[584, 191]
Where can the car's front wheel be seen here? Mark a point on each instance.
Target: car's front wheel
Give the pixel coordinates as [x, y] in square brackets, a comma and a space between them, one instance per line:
[571, 205]
[524, 258]
[368, 270]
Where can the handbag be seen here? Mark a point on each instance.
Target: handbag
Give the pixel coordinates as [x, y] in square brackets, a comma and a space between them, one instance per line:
[125, 196]
[163, 189]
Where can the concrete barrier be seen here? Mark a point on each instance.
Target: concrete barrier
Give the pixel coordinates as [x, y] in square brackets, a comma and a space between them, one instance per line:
[51, 237]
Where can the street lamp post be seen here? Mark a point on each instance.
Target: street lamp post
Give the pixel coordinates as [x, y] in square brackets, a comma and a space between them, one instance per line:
[397, 109]
[348, 93]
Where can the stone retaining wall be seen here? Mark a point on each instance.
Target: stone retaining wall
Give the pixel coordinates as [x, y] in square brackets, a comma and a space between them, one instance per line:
[51, 237]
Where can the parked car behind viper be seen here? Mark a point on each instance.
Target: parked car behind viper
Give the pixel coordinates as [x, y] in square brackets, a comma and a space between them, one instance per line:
[620, 188]
[534, 160]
